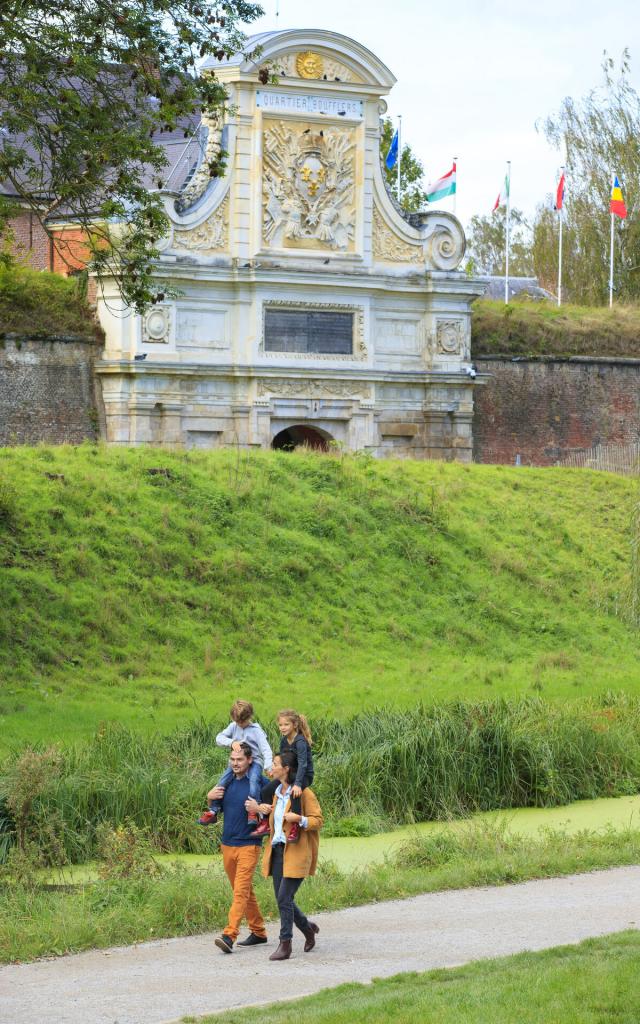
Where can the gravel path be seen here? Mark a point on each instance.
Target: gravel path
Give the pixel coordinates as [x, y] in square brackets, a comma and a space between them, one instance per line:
[158, 982]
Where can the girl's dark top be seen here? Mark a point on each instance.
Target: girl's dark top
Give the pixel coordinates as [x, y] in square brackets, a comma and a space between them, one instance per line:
[302, 750]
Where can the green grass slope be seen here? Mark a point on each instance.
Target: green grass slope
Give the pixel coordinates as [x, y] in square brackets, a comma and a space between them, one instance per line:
[152, 587]
[526, 328]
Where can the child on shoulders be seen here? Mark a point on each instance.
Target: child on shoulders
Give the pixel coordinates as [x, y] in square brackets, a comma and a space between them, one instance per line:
[295, 736]
[241, 729]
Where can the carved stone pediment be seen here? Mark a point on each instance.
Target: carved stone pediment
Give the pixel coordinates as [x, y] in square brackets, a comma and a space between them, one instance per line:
[390, 247]
[308, 186]
[210, 237]
[311, 65]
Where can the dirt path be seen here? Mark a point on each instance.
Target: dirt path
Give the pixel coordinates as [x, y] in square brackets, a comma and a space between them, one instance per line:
[157, 982]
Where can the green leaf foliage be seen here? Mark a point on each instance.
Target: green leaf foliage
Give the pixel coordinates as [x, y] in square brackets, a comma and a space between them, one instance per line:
[486, 244]
[412, 194]
[87, 90]
[600, 135]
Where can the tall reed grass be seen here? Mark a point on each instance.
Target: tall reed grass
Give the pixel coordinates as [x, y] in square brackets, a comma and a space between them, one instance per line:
[395, 766]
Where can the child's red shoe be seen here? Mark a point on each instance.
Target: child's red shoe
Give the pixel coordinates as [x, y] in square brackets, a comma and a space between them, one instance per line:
[263, 828]
[208, 818]
[294, 834]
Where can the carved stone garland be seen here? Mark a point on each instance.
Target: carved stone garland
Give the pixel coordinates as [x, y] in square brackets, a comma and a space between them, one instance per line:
[387, 246]
[209, 237]
[308, 186]
[313, 388]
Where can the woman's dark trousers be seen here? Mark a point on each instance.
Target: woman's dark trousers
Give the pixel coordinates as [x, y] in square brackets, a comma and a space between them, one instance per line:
[285, 890]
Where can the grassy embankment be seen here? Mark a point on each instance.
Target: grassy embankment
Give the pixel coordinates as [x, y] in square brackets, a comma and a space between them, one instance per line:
[526, 328]
[143, 904]
[39, 304]
[595, 982]
[151, 588]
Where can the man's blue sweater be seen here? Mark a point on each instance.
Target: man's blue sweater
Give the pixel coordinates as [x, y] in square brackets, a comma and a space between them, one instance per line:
[236, 830]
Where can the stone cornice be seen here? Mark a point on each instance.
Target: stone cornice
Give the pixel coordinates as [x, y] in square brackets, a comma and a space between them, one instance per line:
[235, 371]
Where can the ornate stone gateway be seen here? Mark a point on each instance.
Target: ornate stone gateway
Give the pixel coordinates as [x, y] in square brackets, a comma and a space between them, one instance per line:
[301, 305]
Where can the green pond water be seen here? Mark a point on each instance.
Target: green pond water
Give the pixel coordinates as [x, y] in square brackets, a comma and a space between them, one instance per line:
[349, 853]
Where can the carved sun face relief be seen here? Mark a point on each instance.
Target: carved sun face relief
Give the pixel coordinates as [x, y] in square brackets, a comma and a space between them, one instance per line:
[308, 186]
[309, 65]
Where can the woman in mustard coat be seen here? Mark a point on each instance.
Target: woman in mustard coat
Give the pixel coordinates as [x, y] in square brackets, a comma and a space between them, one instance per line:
[290, 863]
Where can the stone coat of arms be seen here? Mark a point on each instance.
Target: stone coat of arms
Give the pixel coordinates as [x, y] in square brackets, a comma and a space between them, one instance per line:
[308, 187]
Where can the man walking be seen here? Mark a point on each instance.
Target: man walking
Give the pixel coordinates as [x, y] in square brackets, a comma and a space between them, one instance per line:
[240, 853]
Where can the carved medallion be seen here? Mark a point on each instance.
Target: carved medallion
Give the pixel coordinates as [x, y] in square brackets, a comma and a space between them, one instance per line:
[309, 65]
[156, 325]
[308, 186]
[450, 336]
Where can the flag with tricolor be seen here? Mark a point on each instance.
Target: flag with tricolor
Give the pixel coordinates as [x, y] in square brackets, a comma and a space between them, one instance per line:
[445, 186]
[559, 193]
[617, 204]
[503, 195]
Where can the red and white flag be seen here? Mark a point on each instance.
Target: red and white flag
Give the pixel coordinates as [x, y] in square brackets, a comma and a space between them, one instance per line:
[559, 193]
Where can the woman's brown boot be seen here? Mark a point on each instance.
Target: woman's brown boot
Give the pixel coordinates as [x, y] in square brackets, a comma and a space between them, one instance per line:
[310, 935]
[283, 952]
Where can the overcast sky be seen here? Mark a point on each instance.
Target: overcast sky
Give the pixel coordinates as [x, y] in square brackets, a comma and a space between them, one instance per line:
[476, 75]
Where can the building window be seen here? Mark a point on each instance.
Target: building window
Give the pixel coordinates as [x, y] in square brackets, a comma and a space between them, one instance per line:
[308, 331]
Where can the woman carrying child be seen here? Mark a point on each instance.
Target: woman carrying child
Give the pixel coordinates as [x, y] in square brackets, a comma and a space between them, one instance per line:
[295, 738]
[290, 864]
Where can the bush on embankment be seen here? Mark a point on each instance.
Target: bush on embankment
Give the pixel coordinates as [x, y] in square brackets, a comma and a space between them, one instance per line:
[389, 766]
[39, 303]
[531, 328]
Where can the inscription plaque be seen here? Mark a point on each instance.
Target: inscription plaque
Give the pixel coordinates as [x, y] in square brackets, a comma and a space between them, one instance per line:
[299, 330]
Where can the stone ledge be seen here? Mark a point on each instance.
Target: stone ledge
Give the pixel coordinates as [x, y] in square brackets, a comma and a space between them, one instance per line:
[586, 360]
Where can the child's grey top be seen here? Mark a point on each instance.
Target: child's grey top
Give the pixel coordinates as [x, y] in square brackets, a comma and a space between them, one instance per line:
[254, 735]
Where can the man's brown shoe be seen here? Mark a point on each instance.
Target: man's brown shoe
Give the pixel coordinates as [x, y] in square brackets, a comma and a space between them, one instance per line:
[310, 935]
[283, 952]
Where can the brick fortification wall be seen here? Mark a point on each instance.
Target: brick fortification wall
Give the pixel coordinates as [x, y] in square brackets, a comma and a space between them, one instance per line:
[47, 391]
[543, 408]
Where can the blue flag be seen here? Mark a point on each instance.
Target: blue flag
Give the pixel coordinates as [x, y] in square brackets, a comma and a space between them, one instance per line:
[392, 155]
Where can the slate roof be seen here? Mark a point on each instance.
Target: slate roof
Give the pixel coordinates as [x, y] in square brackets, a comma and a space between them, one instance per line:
[517, 286]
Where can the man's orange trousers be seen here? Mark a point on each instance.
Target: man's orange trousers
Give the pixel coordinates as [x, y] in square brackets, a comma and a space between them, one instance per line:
[240, 863]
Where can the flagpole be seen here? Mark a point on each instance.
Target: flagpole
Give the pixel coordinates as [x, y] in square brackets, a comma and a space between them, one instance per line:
[611, 268]
[455, 194]
[506, 253]
[399, 151]
[560, 216]
[611, 258]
